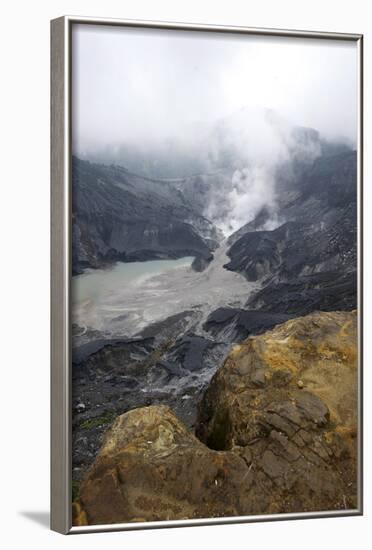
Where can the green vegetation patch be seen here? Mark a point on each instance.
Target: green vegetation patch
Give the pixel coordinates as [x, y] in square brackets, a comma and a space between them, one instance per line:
[106, 418]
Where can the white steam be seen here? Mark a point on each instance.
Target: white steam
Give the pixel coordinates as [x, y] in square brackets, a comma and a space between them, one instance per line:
[260, 142]
[252, 190]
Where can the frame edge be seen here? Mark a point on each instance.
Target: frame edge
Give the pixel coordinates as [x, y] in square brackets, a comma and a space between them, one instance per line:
[61, 521]
[60, 501]
[360, 302]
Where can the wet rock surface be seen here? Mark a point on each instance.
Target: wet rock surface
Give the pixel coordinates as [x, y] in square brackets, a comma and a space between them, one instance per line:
[276, 432]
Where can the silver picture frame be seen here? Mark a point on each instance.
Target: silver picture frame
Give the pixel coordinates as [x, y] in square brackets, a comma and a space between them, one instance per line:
[61, 154]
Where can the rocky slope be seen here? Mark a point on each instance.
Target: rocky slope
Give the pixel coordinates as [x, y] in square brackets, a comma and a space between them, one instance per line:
[309, 261]
[115, 376]
[236, 324]
[121, 216]
[276, 429]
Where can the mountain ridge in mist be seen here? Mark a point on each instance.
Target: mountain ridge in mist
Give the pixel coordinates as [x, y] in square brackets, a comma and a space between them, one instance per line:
[233, 166]
[204, 149]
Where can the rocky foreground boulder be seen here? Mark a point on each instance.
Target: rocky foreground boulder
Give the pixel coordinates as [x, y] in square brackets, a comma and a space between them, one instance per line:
[286, 401]
[151, 467]
[276, 432]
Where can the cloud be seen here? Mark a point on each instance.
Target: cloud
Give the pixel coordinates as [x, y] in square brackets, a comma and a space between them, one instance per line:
[175, 96]
[143, 86]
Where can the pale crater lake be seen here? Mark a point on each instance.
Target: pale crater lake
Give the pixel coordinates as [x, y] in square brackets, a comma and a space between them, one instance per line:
[122, 300]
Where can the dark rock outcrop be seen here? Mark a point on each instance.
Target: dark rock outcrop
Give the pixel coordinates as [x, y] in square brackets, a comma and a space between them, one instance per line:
[118, 216]
[296, 249]
[234, 324]
[309, 262]
[328, 291]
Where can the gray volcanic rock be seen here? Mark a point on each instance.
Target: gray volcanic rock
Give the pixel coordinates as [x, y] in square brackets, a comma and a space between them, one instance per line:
[296, 249]
[311, 258]
[320, 291]
[120, 216]
[113, 376]
[234, 324]
[188, 352]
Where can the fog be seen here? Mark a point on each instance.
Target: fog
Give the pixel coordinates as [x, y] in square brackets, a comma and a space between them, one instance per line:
[144, 86]
[176, 103]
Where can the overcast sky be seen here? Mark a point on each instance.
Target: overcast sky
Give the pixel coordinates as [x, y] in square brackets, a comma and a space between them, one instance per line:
[141, 86]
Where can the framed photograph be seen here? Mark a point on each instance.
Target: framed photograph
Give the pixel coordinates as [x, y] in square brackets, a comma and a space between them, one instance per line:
[206, 274]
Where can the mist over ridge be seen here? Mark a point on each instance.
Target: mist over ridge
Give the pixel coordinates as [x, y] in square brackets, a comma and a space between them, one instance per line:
[236, 162]
[239, 109]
